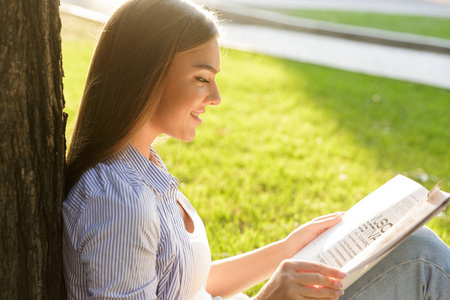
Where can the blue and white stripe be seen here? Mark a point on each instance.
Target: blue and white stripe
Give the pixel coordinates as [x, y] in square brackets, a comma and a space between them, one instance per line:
[123, 234]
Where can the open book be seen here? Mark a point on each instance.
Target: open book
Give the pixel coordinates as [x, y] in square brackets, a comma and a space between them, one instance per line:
[375, 226]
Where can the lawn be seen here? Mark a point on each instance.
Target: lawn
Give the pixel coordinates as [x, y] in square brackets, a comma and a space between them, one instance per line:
[292, 141]
[421, 25]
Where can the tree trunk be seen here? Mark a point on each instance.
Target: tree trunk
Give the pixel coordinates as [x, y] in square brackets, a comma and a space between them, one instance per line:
[32, 150]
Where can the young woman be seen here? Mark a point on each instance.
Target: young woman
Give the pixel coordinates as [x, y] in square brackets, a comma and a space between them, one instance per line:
[129, 233]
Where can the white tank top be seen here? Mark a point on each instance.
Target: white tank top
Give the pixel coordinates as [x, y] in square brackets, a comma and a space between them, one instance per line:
[202, 255]
[201, 251]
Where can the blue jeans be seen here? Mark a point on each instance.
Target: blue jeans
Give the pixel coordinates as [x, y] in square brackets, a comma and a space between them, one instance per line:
[419, 268]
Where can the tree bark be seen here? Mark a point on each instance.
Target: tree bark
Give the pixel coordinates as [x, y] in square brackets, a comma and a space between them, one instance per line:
[32, 150]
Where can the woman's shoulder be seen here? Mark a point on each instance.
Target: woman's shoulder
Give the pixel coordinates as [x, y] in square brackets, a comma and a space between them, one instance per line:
[111, 180]
[108, 198]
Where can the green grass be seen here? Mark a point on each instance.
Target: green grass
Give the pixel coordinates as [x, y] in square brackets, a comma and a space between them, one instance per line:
[292, 141]
[421, 25]
[79, 38]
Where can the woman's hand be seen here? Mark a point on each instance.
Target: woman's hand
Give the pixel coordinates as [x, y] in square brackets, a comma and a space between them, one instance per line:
[307, 232]
[302, 280]
[236, 274]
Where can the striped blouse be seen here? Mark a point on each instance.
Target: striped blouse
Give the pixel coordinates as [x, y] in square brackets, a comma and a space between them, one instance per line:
[123, 233]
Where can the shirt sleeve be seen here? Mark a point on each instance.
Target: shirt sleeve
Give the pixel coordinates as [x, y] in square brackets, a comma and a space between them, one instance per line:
[119, 235]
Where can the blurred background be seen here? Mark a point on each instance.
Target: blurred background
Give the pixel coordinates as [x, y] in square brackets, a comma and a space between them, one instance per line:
[345, 34]
[323, 102]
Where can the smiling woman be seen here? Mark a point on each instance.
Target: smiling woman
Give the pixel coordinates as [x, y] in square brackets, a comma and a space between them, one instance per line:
[190, 87]
[152, 72]
[127, 73]
[128, 232]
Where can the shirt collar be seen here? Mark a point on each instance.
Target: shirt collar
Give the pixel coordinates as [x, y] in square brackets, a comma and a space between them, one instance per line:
[156, 177]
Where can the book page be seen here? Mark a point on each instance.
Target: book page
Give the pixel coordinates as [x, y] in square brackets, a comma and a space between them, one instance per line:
[365, 222]
[424, 211]
[360, 240]
[408, 225]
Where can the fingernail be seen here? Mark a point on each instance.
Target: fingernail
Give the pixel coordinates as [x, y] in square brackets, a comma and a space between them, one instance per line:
[342, 274]
[339, 293]
[338, 284]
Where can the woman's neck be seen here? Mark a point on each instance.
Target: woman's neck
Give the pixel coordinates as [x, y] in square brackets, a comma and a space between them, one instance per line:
[142, 141]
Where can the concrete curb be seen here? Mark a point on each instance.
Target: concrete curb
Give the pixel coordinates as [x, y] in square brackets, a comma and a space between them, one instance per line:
[254, 16]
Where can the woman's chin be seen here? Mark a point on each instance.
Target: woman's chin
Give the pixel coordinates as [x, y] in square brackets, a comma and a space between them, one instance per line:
[187, 137]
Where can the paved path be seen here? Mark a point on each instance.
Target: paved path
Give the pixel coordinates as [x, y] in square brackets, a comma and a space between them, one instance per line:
[404, 64]
[416, 7]
[397, 63]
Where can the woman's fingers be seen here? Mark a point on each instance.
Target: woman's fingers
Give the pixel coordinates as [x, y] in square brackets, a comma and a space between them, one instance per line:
[319, 292]
[317, 279]
[303, 280]
[315, 267]
[320, 224]
[329, 216]
[307, 232]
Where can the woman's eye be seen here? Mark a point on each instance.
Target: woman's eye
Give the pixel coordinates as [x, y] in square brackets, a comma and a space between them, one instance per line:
[202, 80]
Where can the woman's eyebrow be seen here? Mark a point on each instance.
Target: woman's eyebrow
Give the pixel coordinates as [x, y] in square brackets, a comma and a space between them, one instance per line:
[207, 67]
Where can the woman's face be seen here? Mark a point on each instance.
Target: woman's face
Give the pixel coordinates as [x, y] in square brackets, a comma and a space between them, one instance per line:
[190, 87]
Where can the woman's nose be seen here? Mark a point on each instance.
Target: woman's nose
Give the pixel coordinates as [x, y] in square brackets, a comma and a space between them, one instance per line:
[214, 96]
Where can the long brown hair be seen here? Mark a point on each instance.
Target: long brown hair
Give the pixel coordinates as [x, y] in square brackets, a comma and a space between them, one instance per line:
[127, 74]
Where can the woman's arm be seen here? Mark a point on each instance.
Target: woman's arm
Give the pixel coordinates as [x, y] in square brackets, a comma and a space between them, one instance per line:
[119, 235]
[236, 274]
